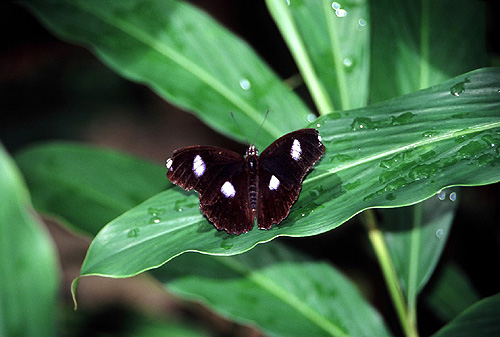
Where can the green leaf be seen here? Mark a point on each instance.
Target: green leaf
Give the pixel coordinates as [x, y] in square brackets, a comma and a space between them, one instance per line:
[330, 45]
[416, 237]
[416, 44]
[86, 186]
[481, 319]
[300, 297]
[29, 273]
[387, 155]
[185, 56]
[452, 293]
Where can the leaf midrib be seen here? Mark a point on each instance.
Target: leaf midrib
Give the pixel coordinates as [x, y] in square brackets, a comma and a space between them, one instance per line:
[446, 136]
[183, 62]
[286, 297]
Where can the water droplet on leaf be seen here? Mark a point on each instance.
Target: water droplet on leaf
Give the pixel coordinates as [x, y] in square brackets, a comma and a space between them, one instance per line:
[459, 88]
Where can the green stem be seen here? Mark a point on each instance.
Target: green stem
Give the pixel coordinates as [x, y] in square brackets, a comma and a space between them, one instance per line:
[391, 278]
[424, 45]
[416, 237]
[286, 24]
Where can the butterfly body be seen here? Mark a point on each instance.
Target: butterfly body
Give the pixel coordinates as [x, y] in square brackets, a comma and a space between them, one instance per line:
[235, 190]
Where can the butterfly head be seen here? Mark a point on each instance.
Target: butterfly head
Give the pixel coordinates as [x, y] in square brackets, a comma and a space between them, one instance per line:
[251, 157]
[252, 151]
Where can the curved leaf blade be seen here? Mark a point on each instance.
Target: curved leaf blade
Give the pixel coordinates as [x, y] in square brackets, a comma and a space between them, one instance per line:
[452, 293]
[330, 45]
[88, 187]
[185, 56]
[407, 150]
[28, 263]
[481, 319]
[415, 46]
[281, 281]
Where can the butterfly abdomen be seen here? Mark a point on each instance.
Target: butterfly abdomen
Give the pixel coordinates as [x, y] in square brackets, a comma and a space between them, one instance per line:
[252, 159]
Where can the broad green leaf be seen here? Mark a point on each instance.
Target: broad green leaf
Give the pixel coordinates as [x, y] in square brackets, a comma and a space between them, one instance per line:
[330, 44]
[416, 44]
[86, 186]
[416, 237]
[28, 262]
[391, 154]
[185, 56]
[452, 293]
[280, 291]
[480, 320]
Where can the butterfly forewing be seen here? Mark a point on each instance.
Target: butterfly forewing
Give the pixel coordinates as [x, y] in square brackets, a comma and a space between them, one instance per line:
[199, 167]
[282, 167]
[219, 176]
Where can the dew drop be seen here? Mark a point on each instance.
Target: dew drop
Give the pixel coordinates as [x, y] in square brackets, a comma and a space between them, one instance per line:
[361, 24]
[459, 88]
[154, 220]
[245, 84]
[441, 195]
[226, 245]
[348, 63]
[453, 196]
[311, 118]
[402, 119]
[133, 233]
[439, 233]
[156, 211]
[390, 197]
[362, 123]
[339, 12]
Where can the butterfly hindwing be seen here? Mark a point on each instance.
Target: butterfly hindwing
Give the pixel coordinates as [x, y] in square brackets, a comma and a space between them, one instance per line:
[219, 176]
[231, 210]
[282, 168]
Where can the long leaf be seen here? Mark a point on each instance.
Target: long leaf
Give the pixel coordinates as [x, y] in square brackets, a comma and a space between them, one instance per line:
[481, 320]
[330, 44]
[281, 291]
[416, 240]
[28, 267]
[416, 44]
[452, 293]
[387, 155]
[86, 186]
[185, 56]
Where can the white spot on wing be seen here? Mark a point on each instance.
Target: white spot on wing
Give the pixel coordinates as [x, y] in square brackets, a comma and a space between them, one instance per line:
[319, 138]
[228, 190]
[274, 183]
[169, 163]
[198, 166]
[296, 150]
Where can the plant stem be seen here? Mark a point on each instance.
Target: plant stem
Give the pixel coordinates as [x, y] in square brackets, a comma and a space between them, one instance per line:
[414, 263]
[391, 279]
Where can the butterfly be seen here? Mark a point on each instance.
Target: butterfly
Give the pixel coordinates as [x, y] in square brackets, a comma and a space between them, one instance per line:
[235, 190]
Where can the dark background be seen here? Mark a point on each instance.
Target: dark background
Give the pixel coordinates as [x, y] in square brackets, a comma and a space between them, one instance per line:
[52, 90]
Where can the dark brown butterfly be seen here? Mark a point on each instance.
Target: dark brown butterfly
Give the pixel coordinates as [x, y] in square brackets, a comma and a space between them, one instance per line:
[236, 189]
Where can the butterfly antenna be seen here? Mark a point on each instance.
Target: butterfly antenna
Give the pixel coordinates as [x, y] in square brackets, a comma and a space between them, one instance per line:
[261, 125]
[237, 125]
